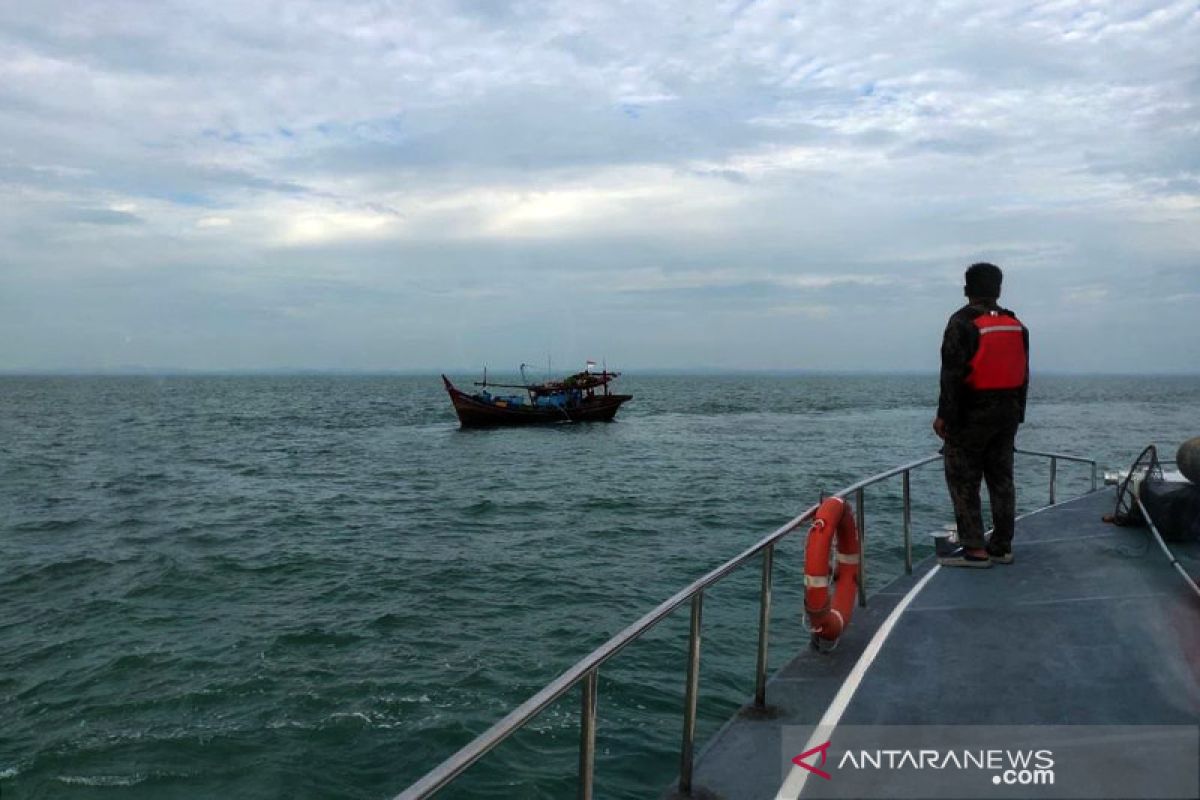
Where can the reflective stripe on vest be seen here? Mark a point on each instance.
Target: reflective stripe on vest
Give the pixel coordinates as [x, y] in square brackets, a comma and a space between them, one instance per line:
[1000, 362]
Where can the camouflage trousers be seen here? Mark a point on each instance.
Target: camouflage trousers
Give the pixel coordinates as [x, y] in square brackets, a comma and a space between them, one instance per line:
[982, 449]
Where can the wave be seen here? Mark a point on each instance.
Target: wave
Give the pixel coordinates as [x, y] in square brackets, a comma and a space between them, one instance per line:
[100, 780]
[78, 568]
[314, 637]
[51, 525]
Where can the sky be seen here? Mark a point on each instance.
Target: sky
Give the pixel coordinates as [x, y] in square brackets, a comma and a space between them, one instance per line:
[442, 185]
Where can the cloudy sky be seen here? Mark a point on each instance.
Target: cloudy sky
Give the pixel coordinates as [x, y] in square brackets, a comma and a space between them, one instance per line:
[439, 185]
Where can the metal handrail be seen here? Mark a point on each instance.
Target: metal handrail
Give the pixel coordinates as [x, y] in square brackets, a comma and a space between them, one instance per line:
[587, 668]
[1054, 459]
[891, 473]
[1060, 456]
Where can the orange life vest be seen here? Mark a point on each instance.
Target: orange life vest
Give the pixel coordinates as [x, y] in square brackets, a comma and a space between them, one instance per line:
[1000, 361]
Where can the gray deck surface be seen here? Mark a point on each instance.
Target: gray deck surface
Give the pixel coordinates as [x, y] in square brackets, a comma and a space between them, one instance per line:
[1091, 625]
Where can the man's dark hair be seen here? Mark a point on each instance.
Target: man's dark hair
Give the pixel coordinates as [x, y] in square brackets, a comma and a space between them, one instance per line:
[983, 281]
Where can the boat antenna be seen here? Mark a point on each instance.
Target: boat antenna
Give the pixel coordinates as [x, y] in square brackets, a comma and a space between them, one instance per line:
[485, 374]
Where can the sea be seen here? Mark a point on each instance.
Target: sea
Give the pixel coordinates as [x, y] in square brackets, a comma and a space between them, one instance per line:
[320, 586]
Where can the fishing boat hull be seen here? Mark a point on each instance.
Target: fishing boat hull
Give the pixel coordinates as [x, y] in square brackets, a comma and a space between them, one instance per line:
[476, 413]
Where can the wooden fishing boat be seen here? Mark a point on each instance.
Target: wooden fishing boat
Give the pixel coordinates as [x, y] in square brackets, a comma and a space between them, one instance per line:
[582, 397]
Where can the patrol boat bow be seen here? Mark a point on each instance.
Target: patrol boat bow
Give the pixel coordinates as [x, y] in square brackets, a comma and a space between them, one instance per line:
[1090, 627]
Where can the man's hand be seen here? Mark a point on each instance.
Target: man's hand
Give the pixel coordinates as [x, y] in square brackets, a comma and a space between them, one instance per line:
[939, 427]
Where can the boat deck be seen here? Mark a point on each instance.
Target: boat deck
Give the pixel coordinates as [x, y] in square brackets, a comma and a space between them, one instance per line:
[1091, 625]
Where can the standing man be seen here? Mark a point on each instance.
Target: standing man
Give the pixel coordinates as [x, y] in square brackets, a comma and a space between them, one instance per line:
[985, 379]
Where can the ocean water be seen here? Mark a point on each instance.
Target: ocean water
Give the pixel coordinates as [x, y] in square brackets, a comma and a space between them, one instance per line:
[309, 587]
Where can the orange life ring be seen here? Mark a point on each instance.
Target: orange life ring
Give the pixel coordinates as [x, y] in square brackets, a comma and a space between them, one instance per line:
[827, 620]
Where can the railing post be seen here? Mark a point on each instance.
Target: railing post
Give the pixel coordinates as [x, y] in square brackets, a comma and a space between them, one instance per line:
[907, 524]
[587, 735]
[764, 622]
[1053, 478]
[1093, 476]
[861, 519]
[690, 695]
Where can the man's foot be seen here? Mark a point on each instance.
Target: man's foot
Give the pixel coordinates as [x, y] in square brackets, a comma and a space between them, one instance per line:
[999, 553]
[962, 557]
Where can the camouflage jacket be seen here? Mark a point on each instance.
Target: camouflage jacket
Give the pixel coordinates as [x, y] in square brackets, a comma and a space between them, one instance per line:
[958, 401]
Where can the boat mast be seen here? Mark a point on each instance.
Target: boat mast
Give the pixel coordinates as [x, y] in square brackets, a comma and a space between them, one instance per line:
[525, 383]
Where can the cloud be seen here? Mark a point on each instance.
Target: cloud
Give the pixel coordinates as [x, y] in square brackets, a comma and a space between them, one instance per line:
[102, 216]
[309, 226]
[1086, 295]
[281, 184]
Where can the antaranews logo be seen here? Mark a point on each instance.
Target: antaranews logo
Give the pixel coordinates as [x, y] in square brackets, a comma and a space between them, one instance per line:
[823, 749]
[1007, 767]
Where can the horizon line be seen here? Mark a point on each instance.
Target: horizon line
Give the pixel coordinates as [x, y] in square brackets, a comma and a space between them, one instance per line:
[164, 372]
